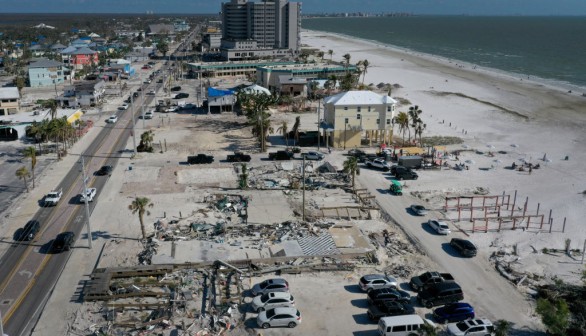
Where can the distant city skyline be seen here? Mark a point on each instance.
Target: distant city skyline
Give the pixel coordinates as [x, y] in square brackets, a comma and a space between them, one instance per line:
[423, 7]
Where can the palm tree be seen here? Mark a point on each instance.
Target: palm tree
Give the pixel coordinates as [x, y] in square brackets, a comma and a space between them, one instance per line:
[402, 120]
[31, 153]
[347, 58]
[351, 167]
[331, 83]
[283, 129]
[22, 173]
[502, 327]
[415, 119]
[428, 330]
[255, 106]
[140, 205]
[365, 65]
[320, 54]
[51, 104]
[331, 53]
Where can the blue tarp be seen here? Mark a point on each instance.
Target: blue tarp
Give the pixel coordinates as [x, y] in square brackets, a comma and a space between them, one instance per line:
[219, 93]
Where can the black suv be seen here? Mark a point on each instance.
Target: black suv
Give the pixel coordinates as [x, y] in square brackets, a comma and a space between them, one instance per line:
[200, 158]
[105, 170]
[176, 88]
[389, 308]
[63, 242]
[402, 173]
[181, 95]
[377, 296]
[29, 231]
[440, 294]
[465, 247]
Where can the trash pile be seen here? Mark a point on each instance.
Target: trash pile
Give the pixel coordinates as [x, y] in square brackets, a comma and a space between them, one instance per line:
[290, 176]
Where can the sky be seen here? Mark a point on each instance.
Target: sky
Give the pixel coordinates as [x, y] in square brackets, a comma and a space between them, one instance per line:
[441, 7]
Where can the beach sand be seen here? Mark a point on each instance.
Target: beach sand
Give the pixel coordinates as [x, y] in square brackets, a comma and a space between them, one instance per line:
[493, 111]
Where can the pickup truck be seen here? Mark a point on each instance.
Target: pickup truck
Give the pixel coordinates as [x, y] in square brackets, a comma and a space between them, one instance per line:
[238, 157]
[377, 163]
[89, 195]
[200, 158]
[281, 155]
[419, 283]
[389, 308]
[53, 197]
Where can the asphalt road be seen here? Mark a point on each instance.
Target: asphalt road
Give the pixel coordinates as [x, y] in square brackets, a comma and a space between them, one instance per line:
[490, 294]
[29, 270]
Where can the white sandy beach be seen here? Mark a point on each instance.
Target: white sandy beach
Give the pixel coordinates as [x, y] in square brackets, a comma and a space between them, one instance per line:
[497, 112]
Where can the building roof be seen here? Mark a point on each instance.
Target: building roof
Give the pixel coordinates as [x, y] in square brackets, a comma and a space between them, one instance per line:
[68, 50]
[256, 89]
[287, 79]
[45, 63]
[83, 51]
[9, 93]
[161, 28]
[58, 46]
[359, 98]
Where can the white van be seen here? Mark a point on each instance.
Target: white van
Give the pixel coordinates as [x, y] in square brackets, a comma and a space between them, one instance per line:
[405, 325]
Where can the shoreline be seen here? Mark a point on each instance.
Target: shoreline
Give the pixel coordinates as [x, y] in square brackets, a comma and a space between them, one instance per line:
[553, 84]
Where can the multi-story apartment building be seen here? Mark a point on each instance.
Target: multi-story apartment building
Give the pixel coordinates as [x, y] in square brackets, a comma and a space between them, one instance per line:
[267, 28]
[46, 72]
[350, 115]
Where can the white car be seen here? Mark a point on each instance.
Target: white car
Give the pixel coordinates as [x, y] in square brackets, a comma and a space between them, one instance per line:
[148, 115]
[112, 120]
[471, 328]
[279, 317]
[89, 195]
[151, 93]
[311, 155]
[123, 107]
[172, 109]
[272, 300]
[439, 227]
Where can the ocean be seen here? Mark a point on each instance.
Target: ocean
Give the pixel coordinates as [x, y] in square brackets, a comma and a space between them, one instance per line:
[550, 48]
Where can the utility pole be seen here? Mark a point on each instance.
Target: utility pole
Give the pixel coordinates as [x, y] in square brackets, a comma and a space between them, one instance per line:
[87, 203]
[142, 107]
[318, 112]
[133, 129]
[303, 201]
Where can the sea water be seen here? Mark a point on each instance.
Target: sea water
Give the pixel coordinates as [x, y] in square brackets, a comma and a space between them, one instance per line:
[549, 48]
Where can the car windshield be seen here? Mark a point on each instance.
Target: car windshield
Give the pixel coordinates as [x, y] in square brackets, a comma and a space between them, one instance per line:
[462, 326]
[264, 298]
[270, 313]
[363, 280]
[443, 226]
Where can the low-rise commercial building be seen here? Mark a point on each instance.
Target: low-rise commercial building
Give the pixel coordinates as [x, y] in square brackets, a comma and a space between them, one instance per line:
[9, 101]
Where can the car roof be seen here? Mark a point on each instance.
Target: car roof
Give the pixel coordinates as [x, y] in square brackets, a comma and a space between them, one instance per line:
[63, 235]
[478, 322]
[285, 310]
[374, 276]
[275, 280]
[278, 294]
[465, 242]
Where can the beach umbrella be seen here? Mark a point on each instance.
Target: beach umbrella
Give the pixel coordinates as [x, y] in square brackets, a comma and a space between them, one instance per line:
[498, 161]
[470, 162]
[490, 146]
[514, 145]
[466, 146]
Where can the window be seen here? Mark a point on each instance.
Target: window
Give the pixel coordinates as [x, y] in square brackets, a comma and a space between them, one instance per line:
[378, 121]
[358, 108]
[345, 108]
[369, 109]
[399, 328]
[388, 109]
[345, 120]
[388, 121]
[358, 116]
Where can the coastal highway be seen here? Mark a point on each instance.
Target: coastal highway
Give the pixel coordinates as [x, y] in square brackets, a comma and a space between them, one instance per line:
[29, 270]
[491, 295]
